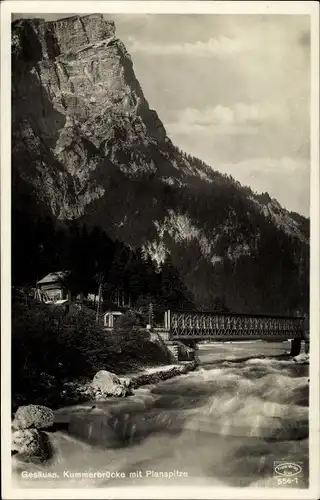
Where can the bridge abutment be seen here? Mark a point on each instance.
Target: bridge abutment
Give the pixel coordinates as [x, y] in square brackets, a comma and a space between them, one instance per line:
[191, 343]
[181, 350]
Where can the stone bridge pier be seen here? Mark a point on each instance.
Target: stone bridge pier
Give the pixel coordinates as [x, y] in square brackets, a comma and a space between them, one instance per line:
[295, 347]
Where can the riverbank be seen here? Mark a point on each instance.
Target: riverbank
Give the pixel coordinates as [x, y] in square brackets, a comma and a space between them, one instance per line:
[84, 390]
[149, 376]
[156, 374]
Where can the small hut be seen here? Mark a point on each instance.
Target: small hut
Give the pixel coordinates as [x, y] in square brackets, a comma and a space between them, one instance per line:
[110, 317]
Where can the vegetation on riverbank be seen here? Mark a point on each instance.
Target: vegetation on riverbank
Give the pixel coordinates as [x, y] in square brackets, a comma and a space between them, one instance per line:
[54, 352]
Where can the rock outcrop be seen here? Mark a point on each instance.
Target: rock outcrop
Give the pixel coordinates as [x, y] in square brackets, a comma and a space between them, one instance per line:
[86, 145]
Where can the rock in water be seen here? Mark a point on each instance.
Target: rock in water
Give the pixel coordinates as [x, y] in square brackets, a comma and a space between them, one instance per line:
[30, 445]
[302, 358]
[108, 384]
[33, 416]
[125, 381]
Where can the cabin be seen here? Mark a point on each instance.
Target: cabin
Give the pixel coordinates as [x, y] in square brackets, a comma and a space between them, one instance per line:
[54, 287]
[110, 317]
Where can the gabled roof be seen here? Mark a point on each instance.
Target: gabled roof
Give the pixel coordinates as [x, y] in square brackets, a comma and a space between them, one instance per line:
[53, 277]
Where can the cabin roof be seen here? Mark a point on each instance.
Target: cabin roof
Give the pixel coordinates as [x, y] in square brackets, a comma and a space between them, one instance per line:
[54, 277]
[113, 313]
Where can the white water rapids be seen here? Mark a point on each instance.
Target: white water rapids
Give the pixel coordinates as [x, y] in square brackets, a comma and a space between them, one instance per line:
[225, 424]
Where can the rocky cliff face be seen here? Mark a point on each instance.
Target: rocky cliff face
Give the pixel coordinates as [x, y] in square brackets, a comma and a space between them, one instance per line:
[86, 145]
[76, 101]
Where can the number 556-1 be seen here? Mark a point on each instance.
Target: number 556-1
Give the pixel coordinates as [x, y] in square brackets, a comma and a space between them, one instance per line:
[287, 480]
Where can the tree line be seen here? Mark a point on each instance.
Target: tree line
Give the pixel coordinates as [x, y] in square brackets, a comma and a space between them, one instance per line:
[41, 246]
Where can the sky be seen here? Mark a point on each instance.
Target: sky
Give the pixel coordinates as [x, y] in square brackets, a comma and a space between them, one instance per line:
[233, 90]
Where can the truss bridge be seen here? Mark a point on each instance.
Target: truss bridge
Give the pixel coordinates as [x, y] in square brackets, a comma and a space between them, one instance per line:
[193, 325]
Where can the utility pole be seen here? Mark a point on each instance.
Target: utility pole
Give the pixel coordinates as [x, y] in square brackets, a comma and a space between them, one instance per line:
[151, 314]
[99, 302]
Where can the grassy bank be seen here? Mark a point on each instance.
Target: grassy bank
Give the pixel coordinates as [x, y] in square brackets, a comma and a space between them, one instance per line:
[54, 352]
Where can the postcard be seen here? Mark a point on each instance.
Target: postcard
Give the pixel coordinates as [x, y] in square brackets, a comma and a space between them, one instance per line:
[160, 249]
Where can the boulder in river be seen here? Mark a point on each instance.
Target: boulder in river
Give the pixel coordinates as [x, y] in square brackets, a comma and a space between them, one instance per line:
[125, 381]
[108, 384]
[33, 416]
[30, 445]
[302, 358]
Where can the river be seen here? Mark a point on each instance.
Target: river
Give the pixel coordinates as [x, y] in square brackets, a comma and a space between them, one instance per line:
[225, 424]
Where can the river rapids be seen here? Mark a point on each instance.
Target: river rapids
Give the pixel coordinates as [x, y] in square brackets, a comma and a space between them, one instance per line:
[228, 423]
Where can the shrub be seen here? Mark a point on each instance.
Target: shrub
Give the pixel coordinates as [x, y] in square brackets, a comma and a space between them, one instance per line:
[135, 343]
[128, 335]
[55, 342]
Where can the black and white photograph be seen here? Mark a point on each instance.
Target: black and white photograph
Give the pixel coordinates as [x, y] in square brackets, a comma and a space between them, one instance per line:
[162, 333]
